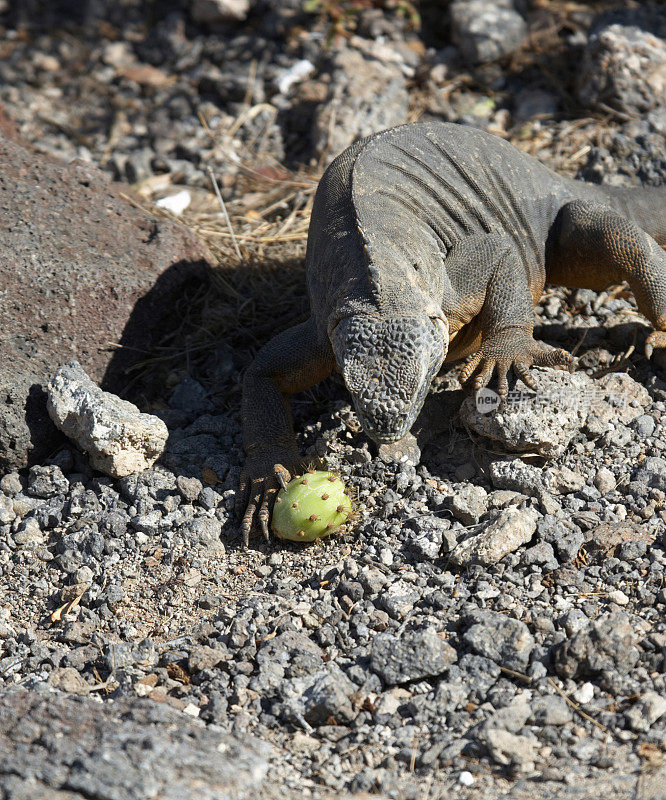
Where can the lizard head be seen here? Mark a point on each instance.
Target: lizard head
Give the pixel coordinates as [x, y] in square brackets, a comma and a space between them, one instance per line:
[388, 365]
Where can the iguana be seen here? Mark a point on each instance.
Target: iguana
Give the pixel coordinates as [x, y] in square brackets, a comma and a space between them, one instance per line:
[430, 242]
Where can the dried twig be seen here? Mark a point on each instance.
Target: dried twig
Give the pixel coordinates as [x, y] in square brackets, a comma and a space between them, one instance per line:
[577, 708]
[224, 211]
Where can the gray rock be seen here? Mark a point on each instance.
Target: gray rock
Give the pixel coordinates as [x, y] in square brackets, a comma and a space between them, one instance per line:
[644, 425]
[649, 708]
[511, 529]
[190, 488]
[117, 437]
[204, 657]
[604, 480]
[652, 472]
[191, 397]
[541, 554]
[573, 621]
[617, 397]
[564, 480]
[68, 679]
[550, 710]
[7, 513]
[506, 641]
[206, 530]
[412, 656]
[469, 504]
[565, 537]
[128, 654]
[543, 423]
[510, 718]
[433, 535]
[321, 698]
[74, 747]
[294, 650]
[605, 540]
[46, 481]
[10, 484]
[608, 643]
[399, 599]
[509, 749]
[29, 535]
[623, 67]
[485, 30]
[79, 269]
[351, 110]
[517, 476]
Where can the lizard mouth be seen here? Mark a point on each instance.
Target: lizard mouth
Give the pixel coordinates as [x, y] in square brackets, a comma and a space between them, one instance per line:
[384, 423]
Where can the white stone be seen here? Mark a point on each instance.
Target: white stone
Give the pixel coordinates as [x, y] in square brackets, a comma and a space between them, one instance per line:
[544, 422]
[583, 694]
[511, 529]
[509, 748]
[296, 73]
[649, 708]
[118, 438]
[619, 597]
[176, 203]
[466, 778]
[604, 480]
[7, 513]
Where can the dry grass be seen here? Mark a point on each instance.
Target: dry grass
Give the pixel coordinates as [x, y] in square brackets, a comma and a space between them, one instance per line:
[257, 240]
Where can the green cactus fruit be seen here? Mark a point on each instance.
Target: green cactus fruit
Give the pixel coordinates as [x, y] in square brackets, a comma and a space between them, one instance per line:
[313, 505]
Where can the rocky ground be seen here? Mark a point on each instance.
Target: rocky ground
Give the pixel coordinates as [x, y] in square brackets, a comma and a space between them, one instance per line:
[492, 624]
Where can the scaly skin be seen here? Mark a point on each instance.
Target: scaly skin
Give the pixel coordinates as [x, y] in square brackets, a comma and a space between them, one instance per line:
[430, 242]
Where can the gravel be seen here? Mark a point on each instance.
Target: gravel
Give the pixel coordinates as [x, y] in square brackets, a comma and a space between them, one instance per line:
[429, 650]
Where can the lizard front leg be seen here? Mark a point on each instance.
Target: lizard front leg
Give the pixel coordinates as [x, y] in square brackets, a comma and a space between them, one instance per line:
[291, 362]
[494, 291]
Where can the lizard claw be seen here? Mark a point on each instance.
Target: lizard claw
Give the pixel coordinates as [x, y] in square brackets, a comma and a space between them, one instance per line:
[282, 475]
[655, 341]
[511, 349]
[262, 477]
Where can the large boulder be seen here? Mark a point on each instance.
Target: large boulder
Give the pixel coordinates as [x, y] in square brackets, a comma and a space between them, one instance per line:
[485, 30]
[82, 271]
[624, 62]
[118, 438]
[56, 746]
[365, 95]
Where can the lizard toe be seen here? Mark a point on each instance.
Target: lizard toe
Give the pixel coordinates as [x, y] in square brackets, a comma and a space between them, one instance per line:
[250, 511]
[522, 370]
[655, 341]
[553, 358]
[484, 375]
[265, 511]
[262, 477]
[501, 370]
[470, 367]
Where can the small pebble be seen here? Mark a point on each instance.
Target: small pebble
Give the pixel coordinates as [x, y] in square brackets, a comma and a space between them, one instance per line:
[583, 694]
[466, 778]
